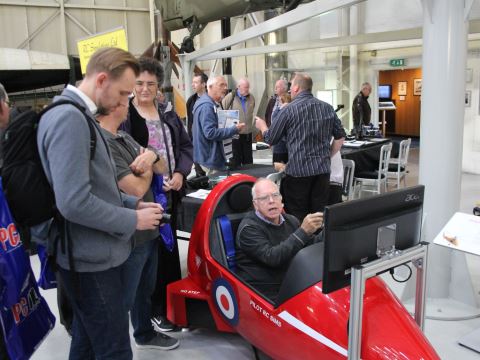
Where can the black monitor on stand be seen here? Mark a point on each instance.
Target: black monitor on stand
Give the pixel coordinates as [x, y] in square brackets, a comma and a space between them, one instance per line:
[357, 231]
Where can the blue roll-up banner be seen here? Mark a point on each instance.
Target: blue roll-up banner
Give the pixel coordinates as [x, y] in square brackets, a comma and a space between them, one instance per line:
[24, 314]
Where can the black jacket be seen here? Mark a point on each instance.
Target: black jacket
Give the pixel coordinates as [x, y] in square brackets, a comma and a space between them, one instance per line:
[264, 251]
[269, 110]
[361, 110]
[190, 103]
[136, 126]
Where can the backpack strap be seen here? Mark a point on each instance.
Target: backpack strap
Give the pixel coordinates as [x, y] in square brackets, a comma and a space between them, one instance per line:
[93, 135]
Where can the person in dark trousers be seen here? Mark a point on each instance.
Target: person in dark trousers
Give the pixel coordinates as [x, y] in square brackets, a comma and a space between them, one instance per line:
[156, 126]
[135, 167]
[199, 85]
[100, 220]
[242, 100]
[308, 125]
[361, 110]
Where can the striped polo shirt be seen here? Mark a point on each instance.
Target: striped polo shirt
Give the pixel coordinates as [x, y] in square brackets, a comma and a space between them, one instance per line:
[308, 125]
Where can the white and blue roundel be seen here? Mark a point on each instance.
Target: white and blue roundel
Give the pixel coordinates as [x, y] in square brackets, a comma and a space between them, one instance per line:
[225, 300]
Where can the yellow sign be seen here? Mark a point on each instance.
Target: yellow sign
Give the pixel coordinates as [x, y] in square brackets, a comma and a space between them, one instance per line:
[86, 47]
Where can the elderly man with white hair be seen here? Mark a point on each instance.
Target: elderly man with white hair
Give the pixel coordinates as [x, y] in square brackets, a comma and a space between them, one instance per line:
[208, 148]
[240, 99]
[360, 107]
[281, 87]
[268, 239]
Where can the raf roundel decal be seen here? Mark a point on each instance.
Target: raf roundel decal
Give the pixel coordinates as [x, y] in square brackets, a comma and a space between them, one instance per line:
[225, 300]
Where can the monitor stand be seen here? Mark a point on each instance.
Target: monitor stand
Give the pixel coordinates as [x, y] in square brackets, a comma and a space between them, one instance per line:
[360, 274]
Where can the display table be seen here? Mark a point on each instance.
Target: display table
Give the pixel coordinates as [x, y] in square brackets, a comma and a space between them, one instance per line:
[367, 156]
[462, 233]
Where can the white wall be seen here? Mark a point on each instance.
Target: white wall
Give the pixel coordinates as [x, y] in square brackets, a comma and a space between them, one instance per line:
[471, 137]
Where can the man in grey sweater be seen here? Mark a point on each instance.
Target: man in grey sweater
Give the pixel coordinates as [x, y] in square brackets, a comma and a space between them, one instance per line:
[100, 220]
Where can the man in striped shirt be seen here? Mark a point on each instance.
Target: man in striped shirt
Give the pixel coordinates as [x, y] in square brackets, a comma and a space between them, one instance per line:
[308, 125]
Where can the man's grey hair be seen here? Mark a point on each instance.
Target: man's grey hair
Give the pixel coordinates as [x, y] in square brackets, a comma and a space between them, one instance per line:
[284, 83]
[213, 80]
[3, 93]
[261, 179]
[243, 79]
[366, 84]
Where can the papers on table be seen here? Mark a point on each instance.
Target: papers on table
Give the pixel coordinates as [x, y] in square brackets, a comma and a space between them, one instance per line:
[200, 194]
[462, 232]
[354, 143]
[359, 143]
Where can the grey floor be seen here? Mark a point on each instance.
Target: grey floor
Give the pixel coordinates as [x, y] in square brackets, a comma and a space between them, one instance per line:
[203, 344]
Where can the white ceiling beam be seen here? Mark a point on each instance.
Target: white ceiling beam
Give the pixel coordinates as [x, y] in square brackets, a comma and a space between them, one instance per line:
[359, 39]
[293, 17]
[322, 43]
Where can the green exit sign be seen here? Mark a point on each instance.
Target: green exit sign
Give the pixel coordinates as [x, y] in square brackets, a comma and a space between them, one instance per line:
[397, 62]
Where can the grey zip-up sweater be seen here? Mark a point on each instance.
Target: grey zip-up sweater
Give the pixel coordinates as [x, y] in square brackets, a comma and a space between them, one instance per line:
[264, 251]
[102, 220]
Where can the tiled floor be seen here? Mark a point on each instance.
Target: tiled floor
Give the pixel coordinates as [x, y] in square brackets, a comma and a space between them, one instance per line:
[202, 344]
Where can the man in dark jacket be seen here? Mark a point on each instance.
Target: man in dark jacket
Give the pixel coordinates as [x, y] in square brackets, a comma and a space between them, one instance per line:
[268, 239]
[199, 85]
[361, 108]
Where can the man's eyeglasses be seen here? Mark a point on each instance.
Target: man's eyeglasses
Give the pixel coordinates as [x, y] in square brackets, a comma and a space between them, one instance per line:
[151, 85]
[8, 103]
[264, 199]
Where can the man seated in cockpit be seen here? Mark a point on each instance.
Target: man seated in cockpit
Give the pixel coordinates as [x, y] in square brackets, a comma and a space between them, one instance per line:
[268, 239]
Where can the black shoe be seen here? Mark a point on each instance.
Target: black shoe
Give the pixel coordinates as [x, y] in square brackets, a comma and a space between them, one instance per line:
[159, 342]
[161, 324]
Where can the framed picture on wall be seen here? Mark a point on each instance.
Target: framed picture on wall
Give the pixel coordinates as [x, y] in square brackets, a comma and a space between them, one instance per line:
[468, 98]
[402, 88]
[417, 87]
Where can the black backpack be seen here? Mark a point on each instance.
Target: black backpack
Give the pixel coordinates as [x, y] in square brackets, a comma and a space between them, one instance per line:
[27, 190]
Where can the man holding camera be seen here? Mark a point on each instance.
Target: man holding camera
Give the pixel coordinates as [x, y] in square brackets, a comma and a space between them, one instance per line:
[135, 167]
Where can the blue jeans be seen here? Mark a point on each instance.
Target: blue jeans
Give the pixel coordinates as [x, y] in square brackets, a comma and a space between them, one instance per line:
[100, 321]
[139, 275]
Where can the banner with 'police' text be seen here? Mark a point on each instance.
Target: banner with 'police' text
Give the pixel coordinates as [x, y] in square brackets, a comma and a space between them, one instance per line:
[25, 317]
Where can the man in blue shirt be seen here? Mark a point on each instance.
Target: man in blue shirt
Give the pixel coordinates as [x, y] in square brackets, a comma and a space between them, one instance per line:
[308, 125]
[208, 148]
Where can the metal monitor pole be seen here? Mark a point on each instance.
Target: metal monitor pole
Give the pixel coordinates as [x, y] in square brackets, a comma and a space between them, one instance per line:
[418, 256]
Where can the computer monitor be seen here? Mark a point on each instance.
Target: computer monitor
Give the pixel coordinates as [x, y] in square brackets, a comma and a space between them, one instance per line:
[385, 92]
[355, 229]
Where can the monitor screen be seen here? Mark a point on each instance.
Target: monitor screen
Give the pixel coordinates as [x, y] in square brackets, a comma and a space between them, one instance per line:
[385, 92]
[354, 231]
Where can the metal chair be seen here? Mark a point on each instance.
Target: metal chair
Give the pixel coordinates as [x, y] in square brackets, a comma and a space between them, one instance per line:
[276, 177]
[348, 175]
[375, 179]
[397, 169]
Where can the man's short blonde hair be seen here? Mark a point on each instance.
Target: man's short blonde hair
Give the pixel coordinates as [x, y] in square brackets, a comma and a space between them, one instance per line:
[113, 61]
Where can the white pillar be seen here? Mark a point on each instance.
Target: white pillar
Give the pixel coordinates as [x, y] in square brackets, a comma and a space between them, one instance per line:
[353, 52]
[445, 30]
[187, 71]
